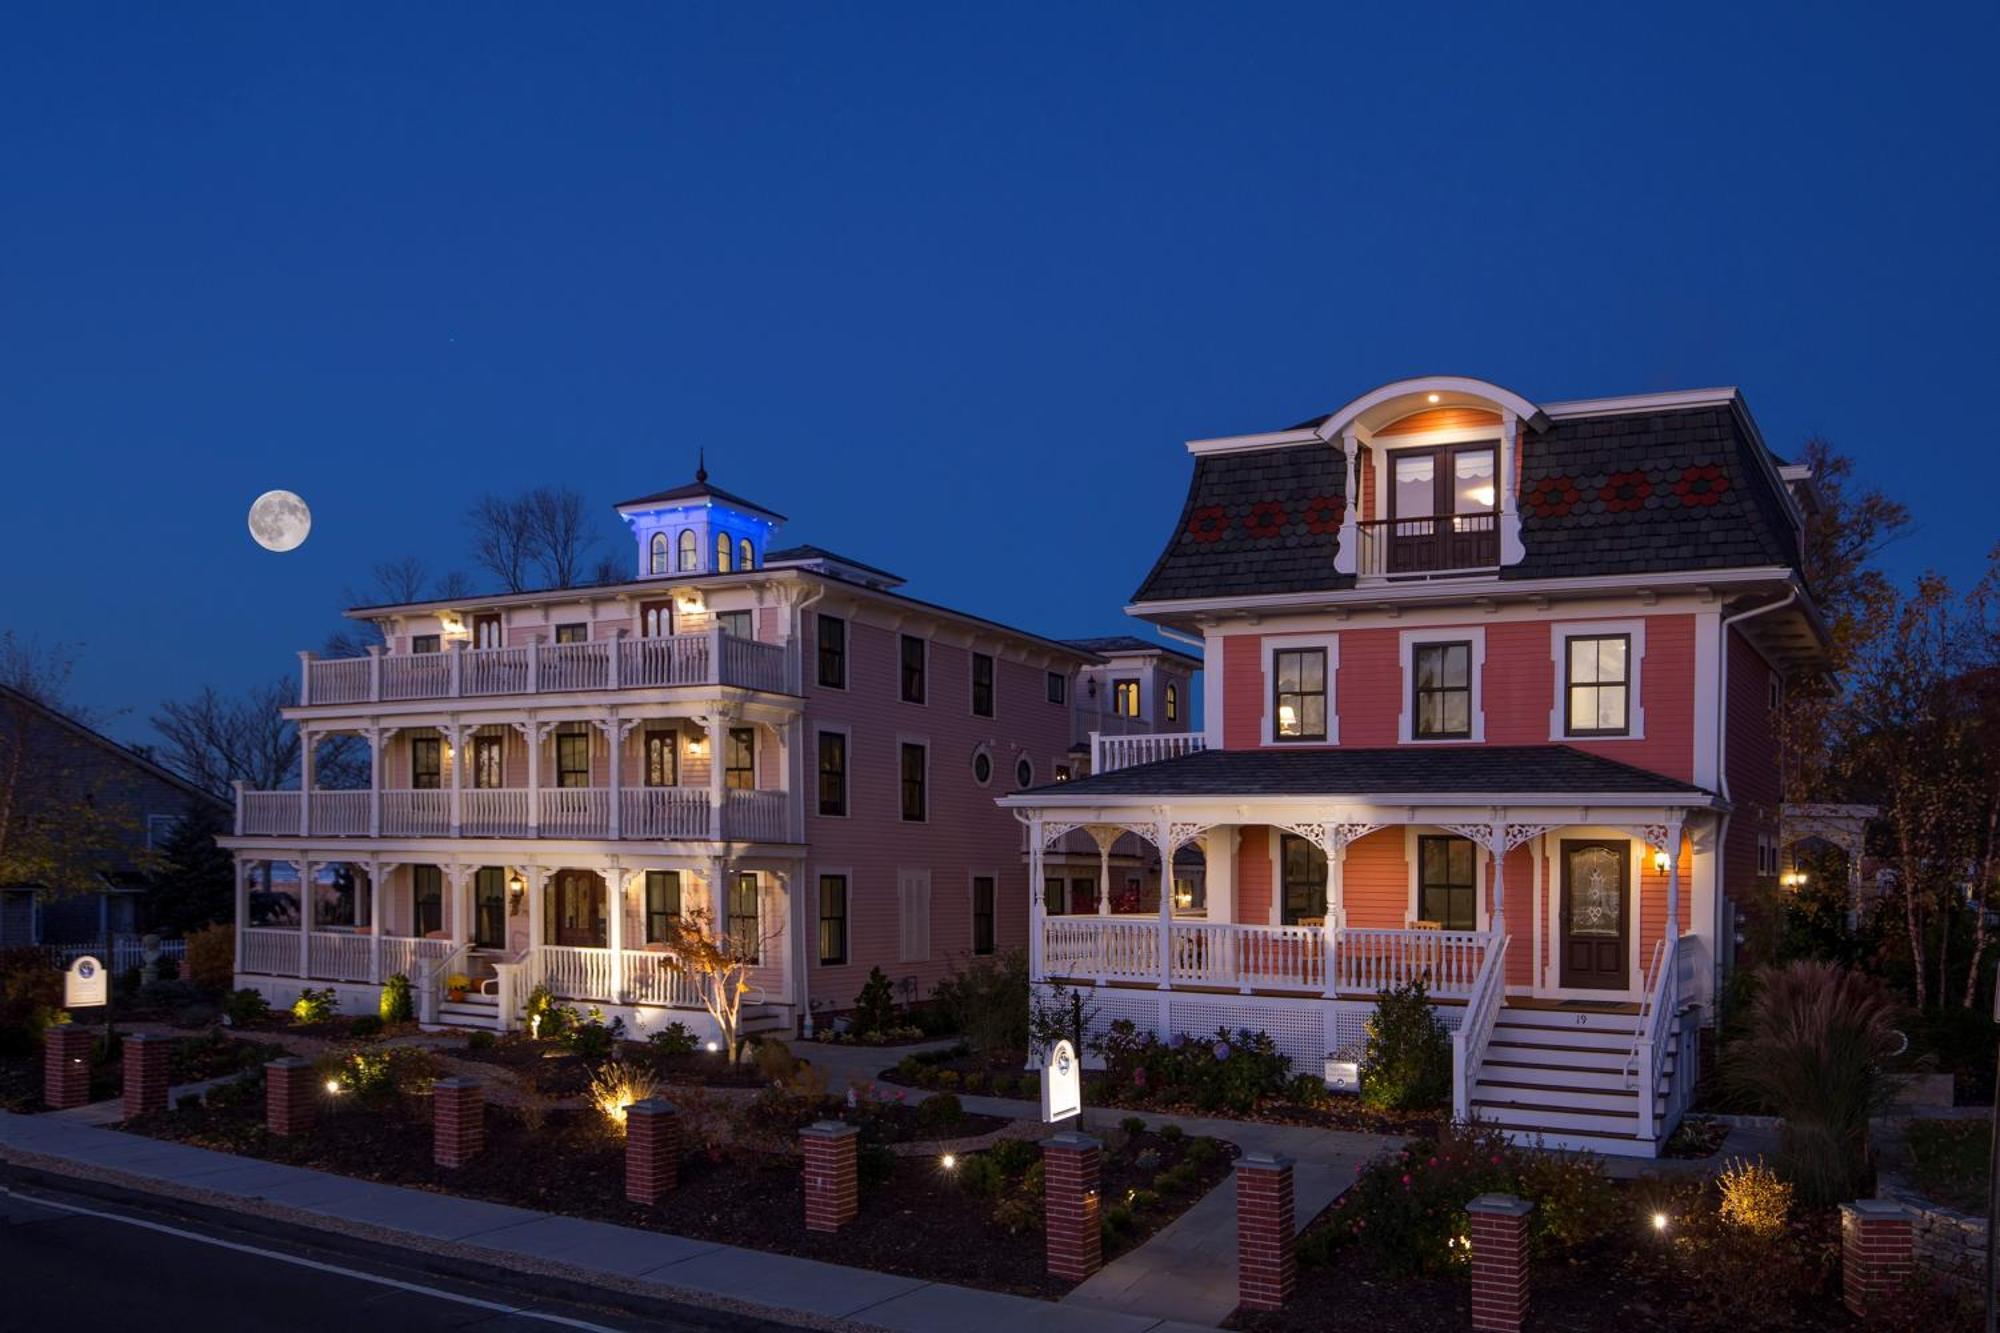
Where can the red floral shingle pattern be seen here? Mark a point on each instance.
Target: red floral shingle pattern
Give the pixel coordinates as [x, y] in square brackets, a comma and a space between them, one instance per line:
[1265, 520]
[1208, 524]
[1700, 487]
[1323, 513]
[1624, 492]
[1552, 497]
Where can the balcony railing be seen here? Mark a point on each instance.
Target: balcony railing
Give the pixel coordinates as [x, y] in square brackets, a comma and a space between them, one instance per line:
[709, 658]
[1449, 544]
[1113, 752]
[518, 812]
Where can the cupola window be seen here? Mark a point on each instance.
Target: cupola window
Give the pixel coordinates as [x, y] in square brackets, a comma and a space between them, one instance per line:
[722, 553]
[690, 552]
[660, 557]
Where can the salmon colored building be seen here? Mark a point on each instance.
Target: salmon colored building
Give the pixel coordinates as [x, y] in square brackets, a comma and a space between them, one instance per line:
[1489, 690]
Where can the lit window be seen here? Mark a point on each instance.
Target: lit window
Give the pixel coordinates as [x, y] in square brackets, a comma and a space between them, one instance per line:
[740, 773]
[1125, 698]
[1598, 685]
[662, 759]
[661, 558]
[746, 554]
[690, 552]
[1173, 702]
[743, 926]
[722, 553]
[1298, 684]
[1441, 690]
[426, 763]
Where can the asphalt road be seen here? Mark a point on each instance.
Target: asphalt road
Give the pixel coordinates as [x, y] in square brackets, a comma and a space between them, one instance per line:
[74, 1257]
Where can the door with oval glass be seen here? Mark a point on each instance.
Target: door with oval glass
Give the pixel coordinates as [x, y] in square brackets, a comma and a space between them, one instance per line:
[1596, 914]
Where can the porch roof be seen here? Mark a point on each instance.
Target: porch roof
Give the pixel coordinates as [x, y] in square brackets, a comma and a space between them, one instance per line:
[1478, 772]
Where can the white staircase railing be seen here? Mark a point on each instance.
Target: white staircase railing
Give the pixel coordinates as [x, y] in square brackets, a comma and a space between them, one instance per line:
[1475, 1030]
[1649, 1035]
[430, 986]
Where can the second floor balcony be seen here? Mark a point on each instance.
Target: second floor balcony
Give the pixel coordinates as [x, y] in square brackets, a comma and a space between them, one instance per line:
[590, 813]
[1438, 544]
[706, 658]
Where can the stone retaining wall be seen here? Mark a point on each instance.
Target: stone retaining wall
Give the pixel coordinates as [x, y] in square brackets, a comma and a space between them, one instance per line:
[1949, 1243]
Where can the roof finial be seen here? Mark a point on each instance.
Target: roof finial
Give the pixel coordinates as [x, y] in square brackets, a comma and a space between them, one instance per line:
[701, 464]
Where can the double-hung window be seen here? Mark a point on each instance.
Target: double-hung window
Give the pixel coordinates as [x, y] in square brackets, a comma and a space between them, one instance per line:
[663, 903]
[426, 763]
[1597, 685]
[427, 899]
[740, 772]
[1058, 685]
[982, 914]
[489, 768]
[982, 685]
[489, 907]
[833, 772]
[1447, 882]
[426, 643]
[734, 623]
[915, 760]
[1303, 867]
[743, 925]
[833, 918]
[914, 652]
[1441, 691]
[833, 652]
[573, 757]
[1298, 684]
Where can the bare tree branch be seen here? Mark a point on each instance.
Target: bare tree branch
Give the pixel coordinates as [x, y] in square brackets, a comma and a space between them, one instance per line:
[503, 540]
[213, 740]
[560, 543]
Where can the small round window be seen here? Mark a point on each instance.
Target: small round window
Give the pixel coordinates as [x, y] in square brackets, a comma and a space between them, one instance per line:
[982, 768]
[1024, 772]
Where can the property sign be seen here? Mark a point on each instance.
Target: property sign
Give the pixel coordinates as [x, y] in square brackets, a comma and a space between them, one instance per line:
[85, 985]
[1062, 1084]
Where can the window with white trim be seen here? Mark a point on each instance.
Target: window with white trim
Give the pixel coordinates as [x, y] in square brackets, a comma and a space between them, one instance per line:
[1597, 685]
[1443, 696]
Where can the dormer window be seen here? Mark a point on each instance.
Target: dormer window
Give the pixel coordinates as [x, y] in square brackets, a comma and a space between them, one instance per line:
[690, 552]
[722, 553]
[746, 554]
[661, 561]
[1441, 509]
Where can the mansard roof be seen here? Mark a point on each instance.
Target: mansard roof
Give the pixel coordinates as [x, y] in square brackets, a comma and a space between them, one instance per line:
[1413, 770]
[1116, 645]
[1682, 483]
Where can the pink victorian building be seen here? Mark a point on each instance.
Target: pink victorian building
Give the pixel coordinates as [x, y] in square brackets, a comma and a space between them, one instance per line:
[778, 736]
[1489, 690]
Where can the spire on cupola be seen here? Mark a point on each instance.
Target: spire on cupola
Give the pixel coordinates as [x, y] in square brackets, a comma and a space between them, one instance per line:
[701, 465]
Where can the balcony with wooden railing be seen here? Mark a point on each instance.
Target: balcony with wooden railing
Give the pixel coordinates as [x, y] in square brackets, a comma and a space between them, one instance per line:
[647, 813]
[1444, 544]
[708, 658]
[1108, 753]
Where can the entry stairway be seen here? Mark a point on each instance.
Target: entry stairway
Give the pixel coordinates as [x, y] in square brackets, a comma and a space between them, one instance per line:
[1558, 1077]
[481, 1009]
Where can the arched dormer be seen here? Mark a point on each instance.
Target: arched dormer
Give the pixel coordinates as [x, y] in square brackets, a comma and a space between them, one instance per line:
[690, 551]
[661, 556]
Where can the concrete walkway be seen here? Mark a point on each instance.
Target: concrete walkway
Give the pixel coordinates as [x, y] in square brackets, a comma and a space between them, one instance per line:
[647, 1263]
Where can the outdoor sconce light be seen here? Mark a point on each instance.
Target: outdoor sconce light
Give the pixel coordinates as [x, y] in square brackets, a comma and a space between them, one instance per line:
[1660, 860]
[695, 747]
[517, 889]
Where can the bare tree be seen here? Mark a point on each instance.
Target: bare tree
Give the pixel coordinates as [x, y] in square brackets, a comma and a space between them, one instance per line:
[214, 740]
[608, 570]
[503, 539]
[452, 584]
[561, 544]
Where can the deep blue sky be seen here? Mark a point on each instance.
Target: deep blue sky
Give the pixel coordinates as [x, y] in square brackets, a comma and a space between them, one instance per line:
[948, 285]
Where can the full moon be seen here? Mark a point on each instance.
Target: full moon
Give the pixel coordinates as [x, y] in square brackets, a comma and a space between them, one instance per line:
[279, 520]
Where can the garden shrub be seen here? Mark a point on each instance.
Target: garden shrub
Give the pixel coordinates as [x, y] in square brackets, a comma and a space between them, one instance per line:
[593, 1038]
[30, 998]
[1817, 1037]
[381, 1074]
[980, 1175]
[547, 1019]
[1132, 1126]
[479, 1039]
[1117, 1219]
[244, 1007]
[314, 1006]
[1172, 1132]
[873, 1165]
[367, 1025]
[940, 1113]
[1063, 1013]
[775, 1060]
[875, 1006]
[246, 1089]
[1231, 1071]
[1410, 1208]
[616, 1085]
[988, 1003]
[399, 1003]
[1013, 1156]
[1148, 1159]
[1575, 1201]
[1015, 1214]
[211, 957]
[1406, 1060]
[673, 1039]
[1754, 1198]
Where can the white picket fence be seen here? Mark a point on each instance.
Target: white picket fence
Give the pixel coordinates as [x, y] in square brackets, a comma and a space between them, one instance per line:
[124, 951]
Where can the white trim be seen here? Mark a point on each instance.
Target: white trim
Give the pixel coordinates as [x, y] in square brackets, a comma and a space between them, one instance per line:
[986, 749]
[1482, 913]
[1560, 633]
[1626, 404]
[816, 873]
[1707, 728]
[1407, 642]
[1446, 390]
[1243, 444]
[972, 683]
[1020, 759]
[1212, 699]
[1271, 646]
[930, 681]
[1635, 980]
[1470, 591]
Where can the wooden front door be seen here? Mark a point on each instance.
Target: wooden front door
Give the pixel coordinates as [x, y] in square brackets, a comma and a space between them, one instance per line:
[1595, 947]
[576, 911]
[486, 632]
[656, 619]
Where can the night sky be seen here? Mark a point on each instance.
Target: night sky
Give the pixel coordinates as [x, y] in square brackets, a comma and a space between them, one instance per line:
[949, 286]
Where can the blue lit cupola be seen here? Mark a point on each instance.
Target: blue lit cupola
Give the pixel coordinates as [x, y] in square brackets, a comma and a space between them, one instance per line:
[698, 529]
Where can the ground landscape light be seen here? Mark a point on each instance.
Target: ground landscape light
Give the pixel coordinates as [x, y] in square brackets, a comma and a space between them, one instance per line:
[948, 1161]
[333, 1086]
[1659, 1221]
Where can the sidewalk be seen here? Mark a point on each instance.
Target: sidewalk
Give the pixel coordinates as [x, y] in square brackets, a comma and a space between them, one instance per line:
[645, 1263]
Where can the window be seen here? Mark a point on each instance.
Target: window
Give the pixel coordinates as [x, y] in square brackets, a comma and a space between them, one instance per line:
[488, 631]
[833, 918]
[982, 914]
[656, 619]
[661, 558]
[722, 553]
[735, 623]
[425, 643]
[489, 768]
[1190, 895]
[913, 650]
[1597, 687]
[489, 907]
[1441, 509]
[1024, 772]
[913, 894]
[426, 900]
[573, 757]
[690, 552]
[1304, 867]
[426, 763]
[575, 631]
[982, 685]
[1125, 698]
[1447, 882]
[159, 828]
[915, 760]
[663, 903]
[1058, 688]
[743, 928]
[1774, 691]
[982, 767]
[833, 773]
[833, 652]
[1062, 772]
[663, 758]
[746, 554]
[1298, 685]
[1054, 900]
[1173, 702]
[739, 773]
[1441, 691]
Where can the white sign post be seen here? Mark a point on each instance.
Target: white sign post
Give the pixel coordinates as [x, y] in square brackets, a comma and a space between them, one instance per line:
[85, 985]
[1062, 1084]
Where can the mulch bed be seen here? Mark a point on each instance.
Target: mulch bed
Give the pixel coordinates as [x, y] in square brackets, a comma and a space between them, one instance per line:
[915, 1220]
[1342, 1111]
[195, 1059]
[549, 1069]
[960, 1070]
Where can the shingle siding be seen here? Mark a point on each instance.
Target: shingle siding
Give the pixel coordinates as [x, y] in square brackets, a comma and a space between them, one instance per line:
[1225, 545]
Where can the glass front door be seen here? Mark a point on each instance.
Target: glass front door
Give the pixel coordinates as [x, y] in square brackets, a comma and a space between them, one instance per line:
[1596, 915]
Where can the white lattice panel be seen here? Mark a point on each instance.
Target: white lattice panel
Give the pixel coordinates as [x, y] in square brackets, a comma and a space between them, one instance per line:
[1300, 1032]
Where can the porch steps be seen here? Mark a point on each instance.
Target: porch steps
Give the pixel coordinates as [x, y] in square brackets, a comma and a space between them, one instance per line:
[476, 1010]
[1556, 1077]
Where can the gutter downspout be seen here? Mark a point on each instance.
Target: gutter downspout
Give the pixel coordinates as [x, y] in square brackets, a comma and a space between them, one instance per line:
[805, 950]
[1722, 765]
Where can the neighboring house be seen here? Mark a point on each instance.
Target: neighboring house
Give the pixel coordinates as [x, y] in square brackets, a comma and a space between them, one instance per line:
[778, 736]
[67, 762]
[1488, 699]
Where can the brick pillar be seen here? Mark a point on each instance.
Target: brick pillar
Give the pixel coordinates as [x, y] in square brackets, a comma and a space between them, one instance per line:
[1071, 1205]
[1875, 1253]
[1499, 1262]
[831, 1179]
[458, 1121]
[147, 1056]
[1267, 1267]
[66, 1067]
[652, 1151]
[289, 1093]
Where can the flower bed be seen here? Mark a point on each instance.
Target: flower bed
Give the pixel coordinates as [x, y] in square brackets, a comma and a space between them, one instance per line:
[960, 1069]
[976, 1221]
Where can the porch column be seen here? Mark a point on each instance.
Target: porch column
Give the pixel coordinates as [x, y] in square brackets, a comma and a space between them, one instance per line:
[780, 892]
[459, 876]
[305, 782]
[1335, 848]
[718, 740]
[614, 738]
[1163, 839]
[1497, 845]
[305, 917]
[454, 739]
[538, 887]
[374, 738]
[533, 735]
[375, 923]
[614, 906]
[1673, 849]
[241, 897]
[1038, 898]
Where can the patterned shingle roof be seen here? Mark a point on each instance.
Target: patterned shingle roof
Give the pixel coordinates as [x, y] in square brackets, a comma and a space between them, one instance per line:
[1260, 522]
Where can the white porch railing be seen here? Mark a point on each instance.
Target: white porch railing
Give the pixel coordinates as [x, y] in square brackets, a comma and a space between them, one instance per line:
[404, 676]
[122, 953]
[675, 659]
[417, 812]
[1475, 1030]
[1658, 1011]
[343, 680]
[576, 974]
[1114, 752]
[576, 812]
[493, 671]
[340, 812]
[333, 957]
[664, 812]
[752, 665]
[270, 953]
[1283, 958]
[493, 812]
[709, 657]
[401, 953]
[654, 978]
[268, 812]
[754, 816]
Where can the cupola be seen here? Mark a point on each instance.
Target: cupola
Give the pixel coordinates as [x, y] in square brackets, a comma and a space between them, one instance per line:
[698, 528]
